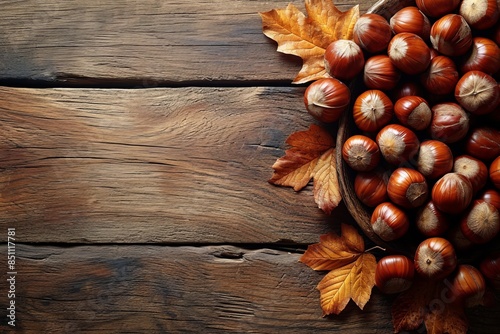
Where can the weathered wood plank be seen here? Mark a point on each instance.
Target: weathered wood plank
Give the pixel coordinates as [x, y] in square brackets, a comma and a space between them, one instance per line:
[139, 289]
[145, 42]
[156, 165]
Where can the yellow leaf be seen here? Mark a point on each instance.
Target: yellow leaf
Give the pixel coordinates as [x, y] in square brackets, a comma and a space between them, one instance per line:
[308, 37]
[326, 185]
[352, 238]
[352, 281]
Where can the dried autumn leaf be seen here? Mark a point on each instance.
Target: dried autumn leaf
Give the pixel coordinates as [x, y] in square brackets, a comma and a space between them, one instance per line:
[352, 271]
[326, 184]
[446, 317]
[334, 251]
[409, 308]
[352, 238]
[297, 167]
[311, 156]
[352, 281]
[308, 37]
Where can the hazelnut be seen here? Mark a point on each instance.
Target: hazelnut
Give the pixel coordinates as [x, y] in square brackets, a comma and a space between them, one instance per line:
[409, 53]
[480, 14]
[411, 19]
[394, 274]
[397, 143]
[436, 8]
[389, 222]
[413, 112]
[441, 76]
[451, 35]
[449, 123]
[452, 193]
[435, 258]
[477, 92]
[361, 153]
[380, 73]
[344, 59]
[372, 110]
[326, 99]
[407, 188]
[434, 159]
[372, 32]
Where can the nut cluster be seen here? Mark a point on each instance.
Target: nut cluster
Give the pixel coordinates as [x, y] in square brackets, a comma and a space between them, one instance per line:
[426, 155]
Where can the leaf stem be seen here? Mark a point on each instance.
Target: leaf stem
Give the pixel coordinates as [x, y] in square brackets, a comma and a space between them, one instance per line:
[375, 247]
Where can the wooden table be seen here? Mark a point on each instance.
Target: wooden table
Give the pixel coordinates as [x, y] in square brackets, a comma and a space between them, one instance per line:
[136, 142]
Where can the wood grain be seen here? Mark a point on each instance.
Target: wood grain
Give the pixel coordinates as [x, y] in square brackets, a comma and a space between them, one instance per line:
[156, 165]
[213, 289]
[142, 43]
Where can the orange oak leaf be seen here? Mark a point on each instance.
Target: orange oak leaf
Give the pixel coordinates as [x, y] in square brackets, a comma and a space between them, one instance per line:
[311, 156]
[334, 251]
[352, 271]
[308, 36]
[352, 281]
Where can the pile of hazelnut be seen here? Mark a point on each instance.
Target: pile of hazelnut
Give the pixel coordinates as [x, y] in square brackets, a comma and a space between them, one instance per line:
[426, 152]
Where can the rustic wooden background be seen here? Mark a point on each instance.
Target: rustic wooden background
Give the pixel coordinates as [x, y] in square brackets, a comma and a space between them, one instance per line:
[136, 139]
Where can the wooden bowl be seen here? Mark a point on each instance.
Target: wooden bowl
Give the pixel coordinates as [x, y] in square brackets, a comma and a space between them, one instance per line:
[347, 128]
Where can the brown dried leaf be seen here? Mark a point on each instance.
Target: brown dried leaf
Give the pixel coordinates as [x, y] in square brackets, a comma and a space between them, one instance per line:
[297, 167]
[326, 184]
[331, 252]
[308, 37]
[352, 281]
[446, 318]
[409, 308]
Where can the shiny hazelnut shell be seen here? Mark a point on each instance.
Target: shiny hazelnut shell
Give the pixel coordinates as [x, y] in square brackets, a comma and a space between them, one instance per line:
[361, 153]
[451, 35]
[380, 73]
[326, 99]
[372, 32]
[452, 193]
[473, 169]
[450, 122]
[411, 19]
[409, 53]
[397, 143]
[491, 196]
[441, 76]
[483, 142]
[490, 268]
[437, 8]
[467, 282]
[370, 188]
[481, 223]
[407, 188]
[434, 159]
[430, 221]
[394, 274]
[413, 112]
[435, 258]
[494, 172]
[372, 110]
[480, 15]
[484, 56]
[389, 222]
[344, 59]
[477, 92]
